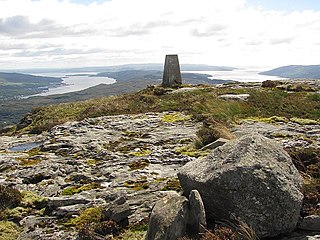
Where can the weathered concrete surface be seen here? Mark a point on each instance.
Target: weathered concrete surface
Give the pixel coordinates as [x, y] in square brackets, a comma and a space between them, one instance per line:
[171, 72]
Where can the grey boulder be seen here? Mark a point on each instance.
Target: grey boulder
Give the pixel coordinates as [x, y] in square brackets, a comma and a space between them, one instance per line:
[252, 179]
[168, 219]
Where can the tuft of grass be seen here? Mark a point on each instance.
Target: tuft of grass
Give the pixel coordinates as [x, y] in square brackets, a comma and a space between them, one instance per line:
[9, 197]
[77, 189]
[9, 230]
[210, 133]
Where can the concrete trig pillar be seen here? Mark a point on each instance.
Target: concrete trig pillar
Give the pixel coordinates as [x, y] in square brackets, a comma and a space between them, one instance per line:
[171, 71]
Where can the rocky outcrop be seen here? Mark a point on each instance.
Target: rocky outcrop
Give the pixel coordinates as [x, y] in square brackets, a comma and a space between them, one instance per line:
[176, 216]
[97, 162]
[252, 179]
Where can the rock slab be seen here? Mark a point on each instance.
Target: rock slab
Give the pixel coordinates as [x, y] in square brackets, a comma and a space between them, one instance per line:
[252, 179]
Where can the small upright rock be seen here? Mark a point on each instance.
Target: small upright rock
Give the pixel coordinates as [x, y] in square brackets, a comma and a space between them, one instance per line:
[168, 219]
[171, 72]
[197, 216]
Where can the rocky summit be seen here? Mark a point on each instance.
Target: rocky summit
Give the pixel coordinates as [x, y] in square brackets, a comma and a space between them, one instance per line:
[93, 163]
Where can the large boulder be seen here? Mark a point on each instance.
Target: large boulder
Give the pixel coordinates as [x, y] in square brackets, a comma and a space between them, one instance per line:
[252, 179]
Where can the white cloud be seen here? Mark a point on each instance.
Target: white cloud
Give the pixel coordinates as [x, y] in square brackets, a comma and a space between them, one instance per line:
[50, 33]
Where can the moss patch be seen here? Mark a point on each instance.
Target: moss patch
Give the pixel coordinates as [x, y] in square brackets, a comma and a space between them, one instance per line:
[8, 230]
[273, 119]
[175, 117]
[191, 151]
[137, 185]
[92, 162]
[77, 189]
[31, 199]
[89, 215]
[140, 153]
[304, 121]
[172, 185]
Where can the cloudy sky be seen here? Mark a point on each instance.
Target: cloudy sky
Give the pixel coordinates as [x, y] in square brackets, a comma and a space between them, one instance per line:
[78, 33]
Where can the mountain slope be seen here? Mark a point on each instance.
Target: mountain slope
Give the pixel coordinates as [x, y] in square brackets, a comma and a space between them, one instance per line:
[295, 71]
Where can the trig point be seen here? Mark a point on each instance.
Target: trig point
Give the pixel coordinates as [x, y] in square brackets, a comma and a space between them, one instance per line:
[171, 71]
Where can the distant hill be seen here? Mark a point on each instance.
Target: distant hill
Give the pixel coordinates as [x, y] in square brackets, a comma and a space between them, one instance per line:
[125, 67]
[295, 71]
[127, 81]
[16, 85]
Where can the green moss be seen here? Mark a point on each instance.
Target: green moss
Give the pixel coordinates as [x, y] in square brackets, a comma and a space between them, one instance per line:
[16, 214]
[92, 162]
[34, 151]
[137, 185]
[172, 185]
[89, 215]
[132, 134]
[8, 230]
[77, 189]
[191, 151]
[175, 117]
[273, 119]
[31, 199]
[140, 153]
[139, 165]
[304, 121]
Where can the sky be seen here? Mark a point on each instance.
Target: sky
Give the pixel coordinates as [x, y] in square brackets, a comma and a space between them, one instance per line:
[80, 33]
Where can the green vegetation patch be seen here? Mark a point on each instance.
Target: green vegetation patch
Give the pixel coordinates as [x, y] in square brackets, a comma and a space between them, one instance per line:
[191, 151]
[140, 153]
[77, 189]
[91, 223]
[9, 230]
[201, 104]
[175, 117]
[304, 121]
[172, 185]
[92, 162]
[273, 119]
[137, 185]
[89, 215]
[33, 200]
